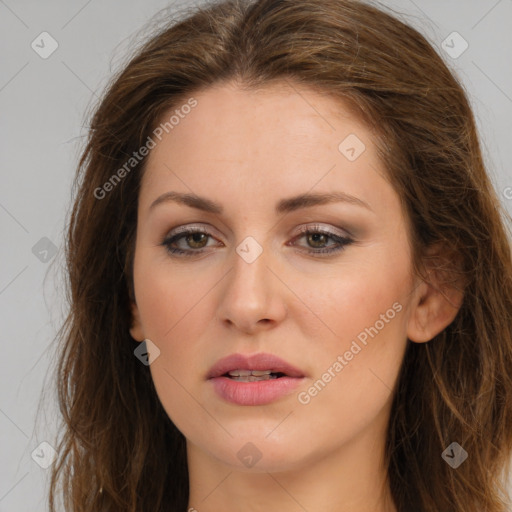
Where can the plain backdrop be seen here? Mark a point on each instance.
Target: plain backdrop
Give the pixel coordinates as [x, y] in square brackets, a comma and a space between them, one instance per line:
[44, 100]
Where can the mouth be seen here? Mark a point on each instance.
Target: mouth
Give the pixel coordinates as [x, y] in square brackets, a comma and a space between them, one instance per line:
[259, 379]
[253, 368]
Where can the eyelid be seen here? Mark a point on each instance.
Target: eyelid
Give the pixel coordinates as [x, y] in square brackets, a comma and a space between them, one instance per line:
[331, 230]
[187, 227]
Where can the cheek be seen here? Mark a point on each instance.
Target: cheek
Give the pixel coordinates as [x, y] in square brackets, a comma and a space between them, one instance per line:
[366, 328]
[363, 320]
[356, 369]
[170, 299]
[350, 303]
[174, 314]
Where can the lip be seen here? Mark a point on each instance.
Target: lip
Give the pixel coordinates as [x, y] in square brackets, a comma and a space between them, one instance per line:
[257, 392]
[262, 361]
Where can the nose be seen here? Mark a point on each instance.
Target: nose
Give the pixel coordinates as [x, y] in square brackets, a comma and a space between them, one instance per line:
[253, 298]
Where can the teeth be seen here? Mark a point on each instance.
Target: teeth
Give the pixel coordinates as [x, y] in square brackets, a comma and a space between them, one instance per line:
[251, 375]
[259, 373]
[246, 373]
[254, 378]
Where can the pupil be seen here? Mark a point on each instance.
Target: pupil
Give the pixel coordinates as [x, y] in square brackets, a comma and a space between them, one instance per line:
[194, 239]
[315, 236]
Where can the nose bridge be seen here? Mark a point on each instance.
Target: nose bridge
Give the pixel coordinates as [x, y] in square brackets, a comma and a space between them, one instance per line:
[250, 293]
[250, 276]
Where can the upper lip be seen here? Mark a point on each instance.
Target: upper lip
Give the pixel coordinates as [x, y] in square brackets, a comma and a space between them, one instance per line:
[261, 361]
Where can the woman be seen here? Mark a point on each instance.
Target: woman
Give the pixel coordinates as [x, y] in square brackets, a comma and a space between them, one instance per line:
[291, 279]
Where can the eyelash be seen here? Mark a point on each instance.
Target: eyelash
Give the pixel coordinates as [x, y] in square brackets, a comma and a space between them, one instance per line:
[342, 241]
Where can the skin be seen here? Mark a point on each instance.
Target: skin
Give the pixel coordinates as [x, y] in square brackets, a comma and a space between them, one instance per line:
[247, 150]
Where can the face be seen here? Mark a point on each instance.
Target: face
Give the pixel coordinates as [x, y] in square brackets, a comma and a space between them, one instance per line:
[325, 286]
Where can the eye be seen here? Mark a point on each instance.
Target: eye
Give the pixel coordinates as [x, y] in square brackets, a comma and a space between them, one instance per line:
[195, 237]
[195, 240]
[317, 237]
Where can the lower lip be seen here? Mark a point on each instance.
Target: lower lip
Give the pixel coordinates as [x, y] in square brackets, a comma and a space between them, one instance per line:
[254, 393]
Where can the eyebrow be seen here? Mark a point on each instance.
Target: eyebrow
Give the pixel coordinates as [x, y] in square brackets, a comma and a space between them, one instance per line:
[283, 206]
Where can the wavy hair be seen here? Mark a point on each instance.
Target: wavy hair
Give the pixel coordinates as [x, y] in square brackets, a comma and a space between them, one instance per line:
[117, 448]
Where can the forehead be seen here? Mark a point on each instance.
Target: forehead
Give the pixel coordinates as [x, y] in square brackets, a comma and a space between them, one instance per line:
[277, 117]
[263, 141]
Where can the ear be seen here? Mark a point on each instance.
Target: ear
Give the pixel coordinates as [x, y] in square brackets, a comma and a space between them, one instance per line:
[136, 330]
[439, 296]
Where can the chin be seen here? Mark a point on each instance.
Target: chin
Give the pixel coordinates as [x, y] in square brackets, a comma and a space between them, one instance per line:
[259, 455]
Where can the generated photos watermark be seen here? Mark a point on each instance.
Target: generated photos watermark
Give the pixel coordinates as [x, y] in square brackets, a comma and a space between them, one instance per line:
[137, 156]
[304, 397]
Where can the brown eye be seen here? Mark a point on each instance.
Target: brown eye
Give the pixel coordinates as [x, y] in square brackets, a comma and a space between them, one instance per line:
[188, 242]
[317, 239]
[196, 240]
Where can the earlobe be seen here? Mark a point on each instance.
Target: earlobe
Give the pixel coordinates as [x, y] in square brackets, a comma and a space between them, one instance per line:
[436, 304]
[136, 330]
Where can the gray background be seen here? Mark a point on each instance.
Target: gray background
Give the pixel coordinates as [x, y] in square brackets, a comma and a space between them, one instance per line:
[43, 103]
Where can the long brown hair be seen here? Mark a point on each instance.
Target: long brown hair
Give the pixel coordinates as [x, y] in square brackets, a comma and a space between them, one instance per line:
[116, 437]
